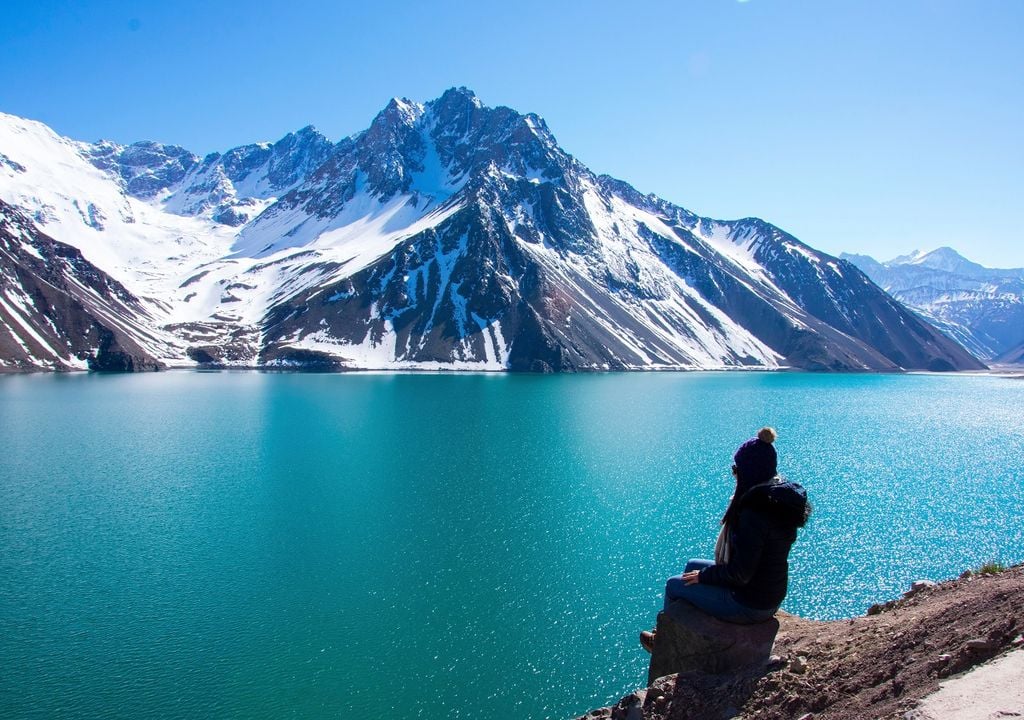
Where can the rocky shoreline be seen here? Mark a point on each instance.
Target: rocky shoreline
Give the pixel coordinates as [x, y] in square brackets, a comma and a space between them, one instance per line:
[881, 665]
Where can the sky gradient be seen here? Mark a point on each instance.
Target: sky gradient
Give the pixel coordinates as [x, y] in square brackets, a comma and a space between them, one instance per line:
[871, 127]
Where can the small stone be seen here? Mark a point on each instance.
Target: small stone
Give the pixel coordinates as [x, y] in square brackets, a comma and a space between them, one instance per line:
[1017, 641]
[806, 716]
[633, 705]
[980, 644]
[798, 665]
[777, 662]
[917, 586]
[879, 608]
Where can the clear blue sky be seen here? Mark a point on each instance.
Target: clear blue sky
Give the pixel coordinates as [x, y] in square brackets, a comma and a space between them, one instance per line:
[857, 125]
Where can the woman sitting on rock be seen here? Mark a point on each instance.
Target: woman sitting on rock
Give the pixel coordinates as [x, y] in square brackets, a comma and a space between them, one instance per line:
[747, 581]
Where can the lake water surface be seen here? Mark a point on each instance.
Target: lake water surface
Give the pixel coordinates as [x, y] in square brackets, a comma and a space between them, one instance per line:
[246, 545]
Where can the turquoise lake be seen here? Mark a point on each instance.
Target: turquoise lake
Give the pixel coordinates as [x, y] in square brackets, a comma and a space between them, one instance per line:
[247, 545]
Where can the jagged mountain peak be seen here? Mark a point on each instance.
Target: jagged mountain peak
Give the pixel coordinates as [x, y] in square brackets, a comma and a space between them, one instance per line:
[148, 167]
[946, 259]
[429, 151]
[942, 258]
[398, 113]
[945, 252]
[456, 99]
[306, 131]
[453, 233]
[983, 308]
[459, 113]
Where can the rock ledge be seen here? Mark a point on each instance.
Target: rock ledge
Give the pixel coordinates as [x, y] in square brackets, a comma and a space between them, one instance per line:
[879, 666]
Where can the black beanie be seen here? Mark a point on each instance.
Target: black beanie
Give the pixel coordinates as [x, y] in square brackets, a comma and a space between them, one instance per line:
[756, 462]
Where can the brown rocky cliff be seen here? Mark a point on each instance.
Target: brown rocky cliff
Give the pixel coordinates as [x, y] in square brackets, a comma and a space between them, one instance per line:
[61, 311]
[876, 666]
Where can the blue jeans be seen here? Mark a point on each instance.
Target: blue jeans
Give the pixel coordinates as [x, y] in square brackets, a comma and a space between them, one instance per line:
[715, 600]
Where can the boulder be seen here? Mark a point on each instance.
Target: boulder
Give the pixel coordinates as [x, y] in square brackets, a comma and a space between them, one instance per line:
[919, 585]
[687, 696]
[689, 639]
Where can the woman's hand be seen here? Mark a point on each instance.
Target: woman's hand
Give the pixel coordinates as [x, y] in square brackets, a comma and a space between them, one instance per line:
[691, 578]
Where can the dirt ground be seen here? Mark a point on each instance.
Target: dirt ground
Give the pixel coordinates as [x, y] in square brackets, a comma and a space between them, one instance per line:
[874, 667]
[880, 665]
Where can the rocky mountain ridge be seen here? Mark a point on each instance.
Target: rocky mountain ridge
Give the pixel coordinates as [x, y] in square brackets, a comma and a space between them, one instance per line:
[448, 235]
[982, 308]
[65, 313]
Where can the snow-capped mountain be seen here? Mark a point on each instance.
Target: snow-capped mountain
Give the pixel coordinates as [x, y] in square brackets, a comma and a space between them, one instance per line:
[60, 312]
[232, 188]
[446, 235]
[982, 308]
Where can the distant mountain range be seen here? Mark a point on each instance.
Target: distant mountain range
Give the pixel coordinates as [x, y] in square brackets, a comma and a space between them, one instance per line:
[983, 308]
[448, 235]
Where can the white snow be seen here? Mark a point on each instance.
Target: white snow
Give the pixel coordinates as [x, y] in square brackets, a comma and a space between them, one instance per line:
[379, 353]
[496, 350]
[153, 251]
[16, 309]
[31, 250]
[189, 269]
[801, 250]
[374, 353]
[737, 248]
[435, 180]
[672, 305]
[139, 245]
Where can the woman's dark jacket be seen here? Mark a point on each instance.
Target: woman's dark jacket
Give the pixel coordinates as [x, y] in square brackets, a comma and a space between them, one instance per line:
[759, 542]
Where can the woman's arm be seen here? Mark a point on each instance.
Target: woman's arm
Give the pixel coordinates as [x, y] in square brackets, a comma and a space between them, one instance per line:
[745, 548]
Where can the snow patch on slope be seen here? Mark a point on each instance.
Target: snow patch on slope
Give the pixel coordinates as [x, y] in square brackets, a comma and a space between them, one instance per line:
[144, 248]
[379, 353]
[675, 314]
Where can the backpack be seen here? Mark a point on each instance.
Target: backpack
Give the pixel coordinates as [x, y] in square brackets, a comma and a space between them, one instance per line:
[787, 500]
